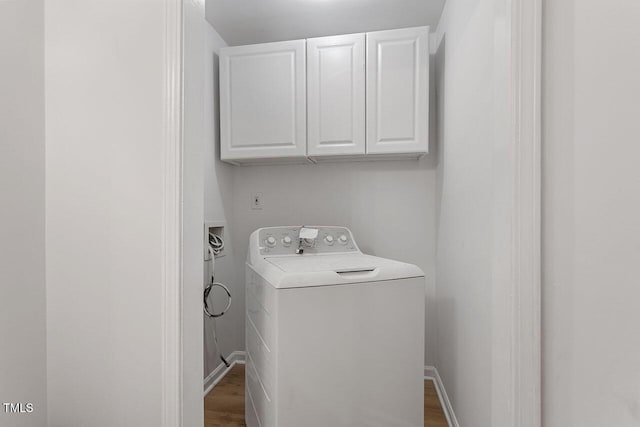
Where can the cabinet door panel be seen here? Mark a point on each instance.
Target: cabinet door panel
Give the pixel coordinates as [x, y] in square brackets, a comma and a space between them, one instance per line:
[263, 101]
[336, 98]
[398, 91]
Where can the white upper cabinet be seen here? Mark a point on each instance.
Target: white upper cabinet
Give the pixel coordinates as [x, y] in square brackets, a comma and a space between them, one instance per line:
[398, 91]
[263, 101]
[336, 95]
[350, 96]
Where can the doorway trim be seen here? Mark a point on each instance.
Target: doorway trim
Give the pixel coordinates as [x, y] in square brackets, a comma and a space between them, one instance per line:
[526, 110]
[172, 223]
[523, 387]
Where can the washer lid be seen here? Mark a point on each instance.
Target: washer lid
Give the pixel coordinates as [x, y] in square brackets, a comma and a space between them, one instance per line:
[296, 271]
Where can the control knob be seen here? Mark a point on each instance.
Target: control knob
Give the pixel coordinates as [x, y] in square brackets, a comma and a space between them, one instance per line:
[328, 239]
[343, 239]
[270, 241]
[286, 241]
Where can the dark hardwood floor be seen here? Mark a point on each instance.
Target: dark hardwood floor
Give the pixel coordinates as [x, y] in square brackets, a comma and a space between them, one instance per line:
[224, 405]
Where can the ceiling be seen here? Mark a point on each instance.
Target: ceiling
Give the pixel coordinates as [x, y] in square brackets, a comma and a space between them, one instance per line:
[257, 21]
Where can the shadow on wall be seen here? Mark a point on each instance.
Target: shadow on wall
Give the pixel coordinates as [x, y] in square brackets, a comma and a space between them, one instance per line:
[219, 207]
[444, 307]
[437, 128]
[431, 329]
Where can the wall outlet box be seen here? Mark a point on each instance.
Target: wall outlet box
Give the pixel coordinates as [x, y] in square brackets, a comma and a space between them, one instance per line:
[215, 227]
[257, 201]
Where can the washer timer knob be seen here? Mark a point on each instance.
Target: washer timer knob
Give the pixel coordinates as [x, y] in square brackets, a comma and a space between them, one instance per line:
[270, 241]
[286, 240]
[343, 239]
[329, 240]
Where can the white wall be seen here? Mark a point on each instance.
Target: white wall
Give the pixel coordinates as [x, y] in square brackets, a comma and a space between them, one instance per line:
[388, 205]
[104, 174]
[218, 208]
[473, 209]
[591, 188]
[22, 264]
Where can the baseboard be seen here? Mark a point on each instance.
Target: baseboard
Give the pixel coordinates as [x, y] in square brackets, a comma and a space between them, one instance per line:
[431, 373]
[235, 358]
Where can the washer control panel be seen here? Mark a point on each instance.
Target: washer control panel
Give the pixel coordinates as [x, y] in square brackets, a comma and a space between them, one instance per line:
[286, 241]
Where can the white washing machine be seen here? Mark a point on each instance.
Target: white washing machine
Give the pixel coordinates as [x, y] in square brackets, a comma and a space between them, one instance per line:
[334, 337]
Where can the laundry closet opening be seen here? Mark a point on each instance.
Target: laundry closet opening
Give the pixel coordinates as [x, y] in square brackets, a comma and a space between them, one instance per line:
[371, 125]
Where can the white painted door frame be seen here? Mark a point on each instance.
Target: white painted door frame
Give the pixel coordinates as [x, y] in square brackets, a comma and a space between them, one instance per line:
[524, 375]
[172, 147]
[519, 397]
[527, 343]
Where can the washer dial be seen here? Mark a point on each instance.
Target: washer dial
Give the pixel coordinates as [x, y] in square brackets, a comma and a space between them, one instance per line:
[270, 241]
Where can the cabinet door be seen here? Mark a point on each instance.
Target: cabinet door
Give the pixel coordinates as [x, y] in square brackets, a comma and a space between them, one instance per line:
[263, 101]
[336, 99]
[398, 91]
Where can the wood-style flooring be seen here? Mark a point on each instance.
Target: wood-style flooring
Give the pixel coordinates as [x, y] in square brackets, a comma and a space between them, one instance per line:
[224, 405]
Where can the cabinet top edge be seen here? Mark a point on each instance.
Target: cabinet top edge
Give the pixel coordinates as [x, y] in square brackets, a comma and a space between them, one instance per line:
[425, 28]
[248, 47]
